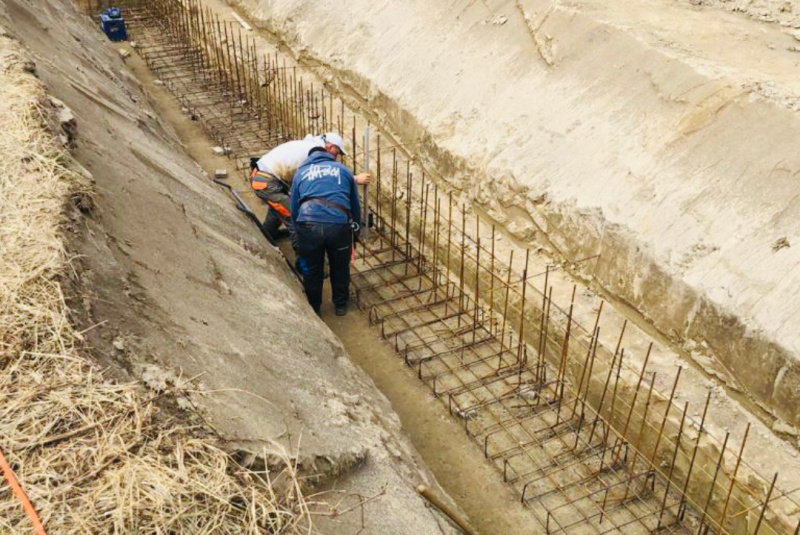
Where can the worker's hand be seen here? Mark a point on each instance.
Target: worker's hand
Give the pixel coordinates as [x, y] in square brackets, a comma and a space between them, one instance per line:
[363, 178]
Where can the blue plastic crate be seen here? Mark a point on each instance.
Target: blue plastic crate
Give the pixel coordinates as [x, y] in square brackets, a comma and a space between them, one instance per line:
[113, 24]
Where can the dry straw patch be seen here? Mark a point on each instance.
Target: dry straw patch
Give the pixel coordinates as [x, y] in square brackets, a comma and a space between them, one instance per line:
[93, 456]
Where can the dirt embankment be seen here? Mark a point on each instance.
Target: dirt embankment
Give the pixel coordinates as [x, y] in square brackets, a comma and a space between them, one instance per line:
[176, 286]
[658, 135]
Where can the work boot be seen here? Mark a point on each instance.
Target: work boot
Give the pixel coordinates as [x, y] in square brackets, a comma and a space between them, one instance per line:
[341, 311]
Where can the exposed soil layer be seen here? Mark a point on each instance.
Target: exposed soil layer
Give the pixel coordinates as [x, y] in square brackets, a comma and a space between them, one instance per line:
[656, 134]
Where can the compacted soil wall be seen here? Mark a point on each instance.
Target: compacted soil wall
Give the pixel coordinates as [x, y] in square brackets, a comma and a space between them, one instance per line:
[658, 135]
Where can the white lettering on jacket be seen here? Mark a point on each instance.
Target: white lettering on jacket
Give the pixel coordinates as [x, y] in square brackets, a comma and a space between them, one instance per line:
[315, 171]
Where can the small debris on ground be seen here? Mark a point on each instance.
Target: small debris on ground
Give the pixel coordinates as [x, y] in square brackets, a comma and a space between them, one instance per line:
[159, 82]
[222, 150]
[124, 54]
[221, 173]
[119, 344]
[499, 20]
[781, 243]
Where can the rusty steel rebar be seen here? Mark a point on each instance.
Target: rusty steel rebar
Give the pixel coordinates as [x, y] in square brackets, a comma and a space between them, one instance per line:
[467, 335]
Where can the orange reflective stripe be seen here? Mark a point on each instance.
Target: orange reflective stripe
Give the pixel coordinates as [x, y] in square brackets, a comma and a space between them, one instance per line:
[281, 209]
[258, 180]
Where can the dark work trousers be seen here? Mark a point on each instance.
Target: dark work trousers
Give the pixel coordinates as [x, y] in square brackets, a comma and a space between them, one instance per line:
[276, 192]
[315, 240]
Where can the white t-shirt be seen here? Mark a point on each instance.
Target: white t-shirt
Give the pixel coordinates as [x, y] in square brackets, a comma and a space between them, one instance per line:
[283, 160]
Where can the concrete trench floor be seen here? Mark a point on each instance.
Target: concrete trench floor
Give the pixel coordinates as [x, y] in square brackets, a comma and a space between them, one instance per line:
[491, 506]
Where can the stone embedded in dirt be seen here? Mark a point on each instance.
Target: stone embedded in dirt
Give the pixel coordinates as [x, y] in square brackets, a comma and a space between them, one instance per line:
[119, 344]
[159, 82]
[221, 173]
[184, 403]
[222, 150]
[66, 119]
[124, 54]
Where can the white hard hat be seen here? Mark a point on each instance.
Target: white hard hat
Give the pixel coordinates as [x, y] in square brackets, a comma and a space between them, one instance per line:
[335, 139]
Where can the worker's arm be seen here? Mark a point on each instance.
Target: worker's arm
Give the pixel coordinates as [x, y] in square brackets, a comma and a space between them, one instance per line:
[295, 198]
[362, 179]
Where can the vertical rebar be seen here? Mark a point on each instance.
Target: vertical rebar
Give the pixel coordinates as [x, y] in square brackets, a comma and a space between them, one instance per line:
[475, 318]
[704, 511]
[492, 320]
[666, 416]
[603, 397]
[539, 347]
[436, 228]
[733, 478]
[505, 306]
[766, 502]
[365, 220]
[635, 397]
[461, 268]
[562, 367]
[521, 353]
[379, 202]
[694, 456]
[672, 466]
[423, 201]
[408, 216]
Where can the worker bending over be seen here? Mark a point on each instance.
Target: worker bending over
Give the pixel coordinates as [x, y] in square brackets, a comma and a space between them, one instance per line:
[326, 216]
[271, 178]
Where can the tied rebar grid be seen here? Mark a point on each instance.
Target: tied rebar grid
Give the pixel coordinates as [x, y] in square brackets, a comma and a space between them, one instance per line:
[546, 439]
[537, 391]
[245, 99]
[551, 407]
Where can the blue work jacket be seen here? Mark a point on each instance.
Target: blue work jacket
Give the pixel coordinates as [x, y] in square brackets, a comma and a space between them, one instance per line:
[318, 186]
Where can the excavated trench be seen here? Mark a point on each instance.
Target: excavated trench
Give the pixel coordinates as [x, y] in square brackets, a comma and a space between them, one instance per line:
[585, 420]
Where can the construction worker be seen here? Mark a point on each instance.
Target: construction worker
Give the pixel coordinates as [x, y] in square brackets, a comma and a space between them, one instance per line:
[272, 174]
[326, 216]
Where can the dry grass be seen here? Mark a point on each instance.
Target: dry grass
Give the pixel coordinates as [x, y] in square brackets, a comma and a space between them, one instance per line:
[94, 456]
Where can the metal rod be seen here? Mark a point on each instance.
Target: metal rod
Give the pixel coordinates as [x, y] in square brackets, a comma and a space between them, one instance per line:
[462, 524]
[723, 516]
[672, 465]
[704, 511]
[365, 218]
[766, 502]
